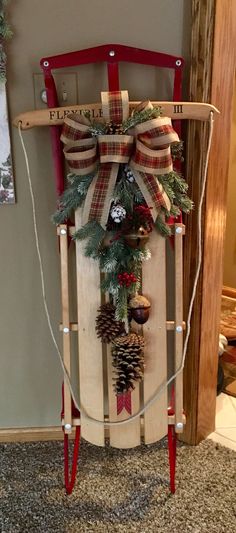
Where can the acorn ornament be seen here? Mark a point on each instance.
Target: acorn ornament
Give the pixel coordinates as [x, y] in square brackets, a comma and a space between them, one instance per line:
[139, 308]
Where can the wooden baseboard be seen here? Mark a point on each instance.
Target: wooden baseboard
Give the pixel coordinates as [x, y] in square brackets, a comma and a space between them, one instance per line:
[31, 434]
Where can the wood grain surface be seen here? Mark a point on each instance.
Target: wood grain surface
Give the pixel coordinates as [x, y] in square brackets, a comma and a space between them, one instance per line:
[154, 288]
[211, 79]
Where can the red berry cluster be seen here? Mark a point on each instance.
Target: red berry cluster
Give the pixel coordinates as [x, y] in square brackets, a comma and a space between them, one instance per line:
[144, 212]
[126, 279]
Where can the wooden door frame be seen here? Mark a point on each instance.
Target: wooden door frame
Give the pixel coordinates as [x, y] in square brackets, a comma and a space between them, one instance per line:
[212, 75]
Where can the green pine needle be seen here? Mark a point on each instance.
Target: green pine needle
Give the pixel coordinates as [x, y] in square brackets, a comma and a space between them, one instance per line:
[121, 303]
[162, 227]
[140, 116]
[73, 197]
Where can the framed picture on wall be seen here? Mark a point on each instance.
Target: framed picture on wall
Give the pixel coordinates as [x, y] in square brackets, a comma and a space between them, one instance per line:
[7, 191]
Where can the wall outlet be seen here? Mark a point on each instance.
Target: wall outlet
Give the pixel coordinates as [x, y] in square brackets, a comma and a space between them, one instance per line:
[67, 89]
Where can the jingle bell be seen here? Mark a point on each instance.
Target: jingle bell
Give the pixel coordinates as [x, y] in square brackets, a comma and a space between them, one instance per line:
[137, 239]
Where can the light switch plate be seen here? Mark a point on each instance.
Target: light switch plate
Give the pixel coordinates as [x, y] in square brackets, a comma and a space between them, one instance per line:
[67, 88]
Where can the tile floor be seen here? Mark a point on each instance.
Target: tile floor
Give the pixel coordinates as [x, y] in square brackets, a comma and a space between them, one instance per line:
[225, 432]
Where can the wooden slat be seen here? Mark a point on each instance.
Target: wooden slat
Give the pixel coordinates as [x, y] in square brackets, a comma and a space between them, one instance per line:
[56, 116]
[90, 347]
[65, 322]
[128, 435]
[178, 322]
[154, 287]
[170, 325]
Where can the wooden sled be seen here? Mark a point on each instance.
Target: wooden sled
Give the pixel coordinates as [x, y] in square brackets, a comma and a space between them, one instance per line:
[97, 397]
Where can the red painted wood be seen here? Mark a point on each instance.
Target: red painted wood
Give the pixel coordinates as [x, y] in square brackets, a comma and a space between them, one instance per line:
[55, 132]
[112, 54]
[70, 480]
[113, 76]
[101, 54]
[172, 455]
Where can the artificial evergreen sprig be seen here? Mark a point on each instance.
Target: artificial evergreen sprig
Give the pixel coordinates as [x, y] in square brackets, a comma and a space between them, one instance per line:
[176, 189]
[98, 128]
[72, 197]
[140, 116]
[94, 235]
[161, 226]
[127, 193]
[177, 150]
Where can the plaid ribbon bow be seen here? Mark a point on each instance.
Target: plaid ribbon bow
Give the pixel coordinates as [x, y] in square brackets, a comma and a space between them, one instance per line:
[146, 149]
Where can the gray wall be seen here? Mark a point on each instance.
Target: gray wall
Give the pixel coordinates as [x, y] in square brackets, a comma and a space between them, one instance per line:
[30, 376]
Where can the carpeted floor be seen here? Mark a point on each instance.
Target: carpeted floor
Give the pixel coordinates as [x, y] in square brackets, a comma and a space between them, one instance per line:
[118, 490]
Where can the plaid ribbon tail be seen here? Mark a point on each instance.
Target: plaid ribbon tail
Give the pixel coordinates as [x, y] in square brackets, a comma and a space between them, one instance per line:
[152, 192]
[124, 401]
[100, 194]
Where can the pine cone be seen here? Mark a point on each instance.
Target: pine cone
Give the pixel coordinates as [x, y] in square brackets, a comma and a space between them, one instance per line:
[128, 361]
[107, 327]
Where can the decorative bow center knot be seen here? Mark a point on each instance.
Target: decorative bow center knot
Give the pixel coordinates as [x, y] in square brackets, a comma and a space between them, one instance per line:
[145, 148]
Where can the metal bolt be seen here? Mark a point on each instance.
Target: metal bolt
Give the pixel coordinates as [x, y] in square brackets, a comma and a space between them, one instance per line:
[178, 229]
[112, 53]
[179, 329]
[67, 426]
[63, 231]
[179, 425]
[66, 330]
[46, 64]
[178, 62]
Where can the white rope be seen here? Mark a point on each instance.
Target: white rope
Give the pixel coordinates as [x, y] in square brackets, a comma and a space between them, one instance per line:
[161, 388]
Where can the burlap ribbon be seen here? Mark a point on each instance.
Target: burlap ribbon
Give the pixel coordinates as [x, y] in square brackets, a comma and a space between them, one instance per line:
[145, 148]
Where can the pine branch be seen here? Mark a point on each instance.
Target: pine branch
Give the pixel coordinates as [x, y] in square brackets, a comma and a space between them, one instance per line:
[121, 303]
[162, 227]
[179, 183]
[177, 151]
[166, 184]
[128, 193]
[93, 244]
[86, 231]
[174, 211]
[140, 116]
[184, 203]
[97, 128]
[73, 197]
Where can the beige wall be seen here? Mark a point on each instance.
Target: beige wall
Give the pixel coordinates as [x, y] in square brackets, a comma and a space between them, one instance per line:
[229, 278]
[30, 376]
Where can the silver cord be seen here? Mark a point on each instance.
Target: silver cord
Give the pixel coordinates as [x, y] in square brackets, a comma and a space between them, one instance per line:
[162, 387]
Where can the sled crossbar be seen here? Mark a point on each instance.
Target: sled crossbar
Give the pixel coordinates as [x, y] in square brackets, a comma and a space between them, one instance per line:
[55, 116]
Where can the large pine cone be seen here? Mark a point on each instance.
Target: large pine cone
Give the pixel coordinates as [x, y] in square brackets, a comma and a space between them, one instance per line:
[128, 361]
[107, 327]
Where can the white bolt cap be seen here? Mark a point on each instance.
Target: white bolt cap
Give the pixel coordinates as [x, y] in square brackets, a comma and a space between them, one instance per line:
[66, 330]
[179, 329]
[63, 231]
[67, 426]
[112, 53]
[178, 229]
[179, 425]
